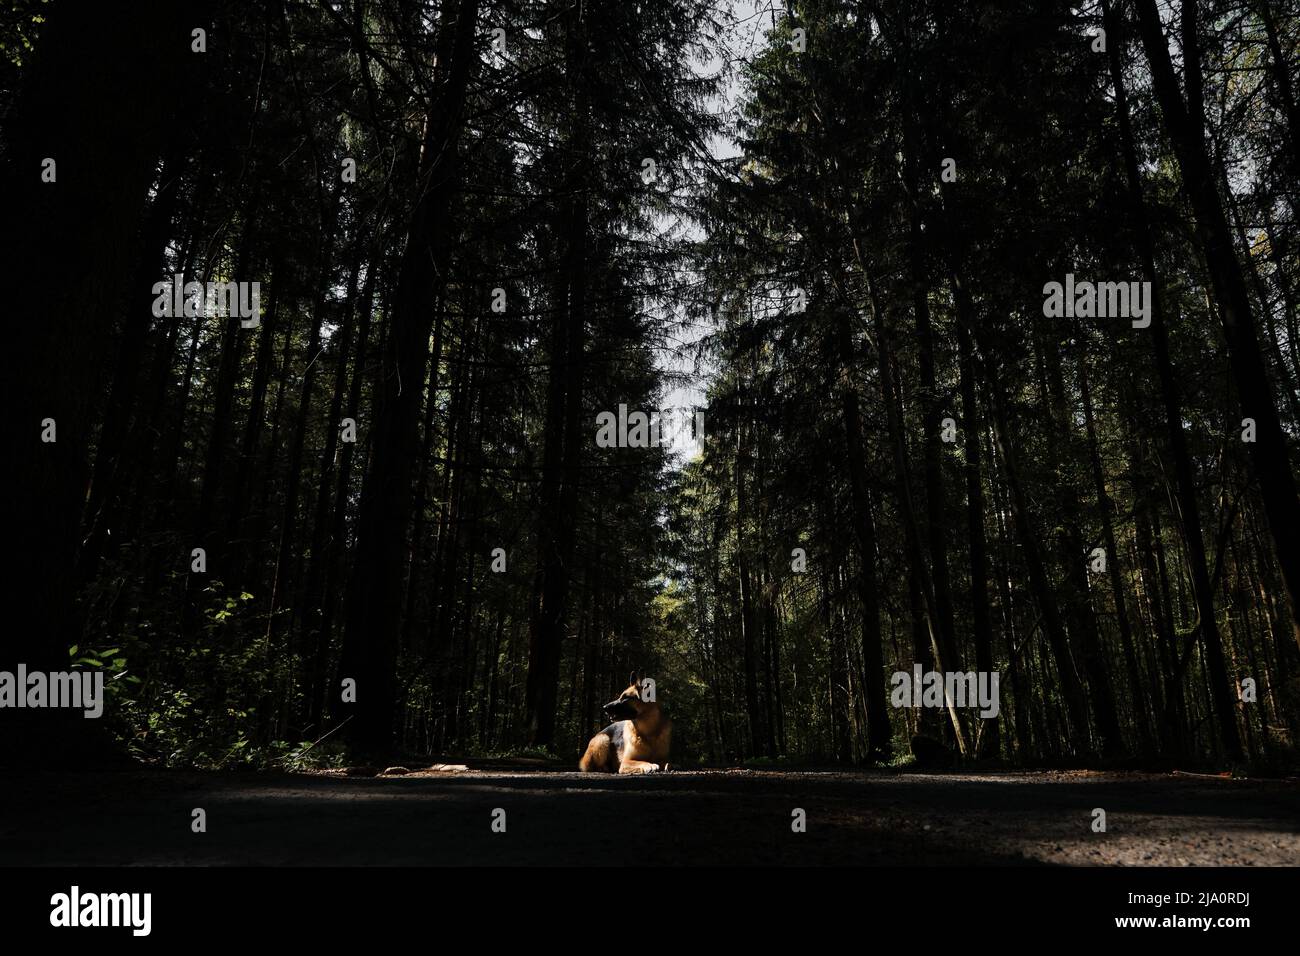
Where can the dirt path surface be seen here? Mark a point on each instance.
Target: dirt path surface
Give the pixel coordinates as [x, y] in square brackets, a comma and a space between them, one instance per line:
[701, 817]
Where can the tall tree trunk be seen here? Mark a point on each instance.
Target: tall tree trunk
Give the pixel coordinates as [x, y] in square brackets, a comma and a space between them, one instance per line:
[245, 550]
[1268, 452]
[981, 623]
[332, 558]
[1106, 508]
[1073, 590]
[374, 595]
[875, 680]
[1053, 625]
[564, 438]
[936, 495]
[415, 573]
[234, 335]
[104, 498]
[104, 124]
[748, 622]
[314, 597]
[288, 555]
[912, 534]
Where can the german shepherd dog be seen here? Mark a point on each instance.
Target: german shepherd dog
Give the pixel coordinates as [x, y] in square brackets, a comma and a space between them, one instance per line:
[637, 740]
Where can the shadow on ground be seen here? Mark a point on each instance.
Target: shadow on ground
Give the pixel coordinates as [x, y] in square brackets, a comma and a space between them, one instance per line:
[692, 817]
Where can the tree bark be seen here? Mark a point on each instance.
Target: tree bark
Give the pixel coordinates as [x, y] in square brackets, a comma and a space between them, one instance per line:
[879, 733]
[374, 594]
[562, 452]
[1268, 453]
[981, 619]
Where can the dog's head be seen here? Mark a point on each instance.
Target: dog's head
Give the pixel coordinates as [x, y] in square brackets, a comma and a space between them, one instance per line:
[628, 705]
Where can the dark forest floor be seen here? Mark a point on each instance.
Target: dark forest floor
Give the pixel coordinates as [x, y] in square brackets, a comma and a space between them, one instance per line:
[705, 816]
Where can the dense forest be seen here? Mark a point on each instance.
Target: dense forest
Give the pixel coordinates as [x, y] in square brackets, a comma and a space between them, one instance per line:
[969, 333]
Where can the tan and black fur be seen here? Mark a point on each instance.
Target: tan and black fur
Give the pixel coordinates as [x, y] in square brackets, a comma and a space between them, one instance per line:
[637, 741]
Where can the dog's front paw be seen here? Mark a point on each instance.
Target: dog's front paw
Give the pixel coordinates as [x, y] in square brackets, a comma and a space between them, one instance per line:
[651, 768]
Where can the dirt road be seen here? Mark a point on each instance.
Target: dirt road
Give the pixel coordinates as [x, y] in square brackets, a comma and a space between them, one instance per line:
[710, 817]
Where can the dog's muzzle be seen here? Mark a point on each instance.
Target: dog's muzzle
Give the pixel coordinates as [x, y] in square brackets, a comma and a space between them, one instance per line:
[617, 710]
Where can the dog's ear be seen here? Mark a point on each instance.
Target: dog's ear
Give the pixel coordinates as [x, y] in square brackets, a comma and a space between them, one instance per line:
[633, 682]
